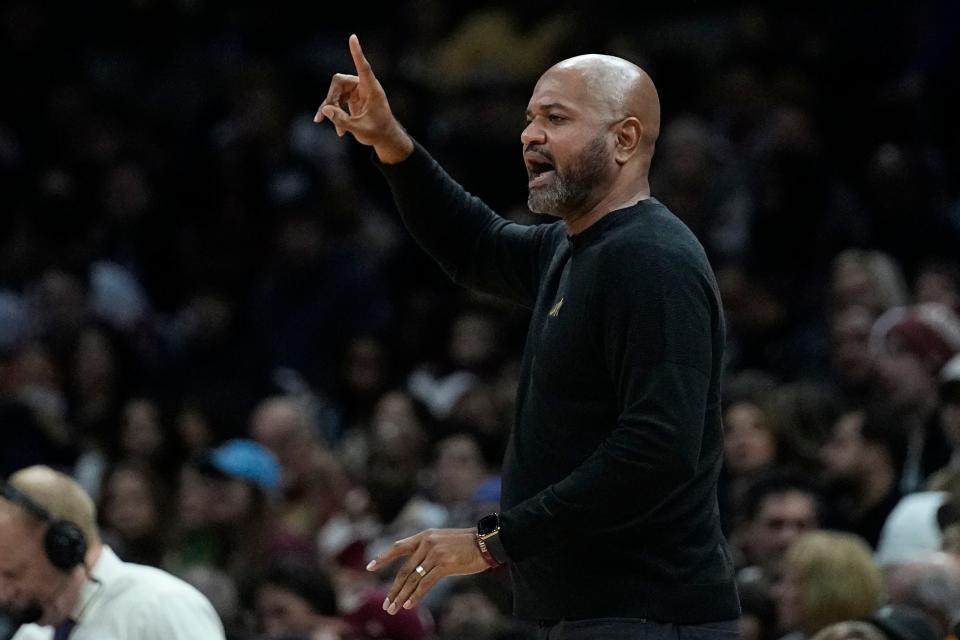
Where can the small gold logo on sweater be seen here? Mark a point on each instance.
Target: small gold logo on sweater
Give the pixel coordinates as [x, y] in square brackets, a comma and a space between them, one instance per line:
[555, 311]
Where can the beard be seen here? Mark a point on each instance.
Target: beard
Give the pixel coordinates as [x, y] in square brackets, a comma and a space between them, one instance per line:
[16, 617]
[571, 188]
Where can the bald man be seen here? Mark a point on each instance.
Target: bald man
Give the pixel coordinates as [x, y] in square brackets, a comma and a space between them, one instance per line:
[609, 522]
[59, 581]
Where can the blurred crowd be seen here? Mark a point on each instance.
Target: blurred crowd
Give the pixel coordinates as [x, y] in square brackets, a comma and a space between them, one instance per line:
[212, 318]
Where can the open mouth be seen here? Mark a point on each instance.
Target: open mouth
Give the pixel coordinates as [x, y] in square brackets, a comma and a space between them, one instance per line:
[539, 170]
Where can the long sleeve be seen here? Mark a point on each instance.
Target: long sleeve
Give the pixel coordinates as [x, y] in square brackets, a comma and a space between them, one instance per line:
[657, 326]
[474, 246]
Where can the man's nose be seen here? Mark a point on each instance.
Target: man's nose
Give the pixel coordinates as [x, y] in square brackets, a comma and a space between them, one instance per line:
[532, 134]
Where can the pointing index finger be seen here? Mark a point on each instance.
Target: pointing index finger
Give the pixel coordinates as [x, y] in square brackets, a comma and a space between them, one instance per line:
[364, 70]
[399, 548]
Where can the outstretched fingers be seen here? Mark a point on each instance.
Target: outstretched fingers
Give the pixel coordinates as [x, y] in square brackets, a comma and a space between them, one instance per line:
[407, 579]
[364, 70]
[408, 600]
[398, 549]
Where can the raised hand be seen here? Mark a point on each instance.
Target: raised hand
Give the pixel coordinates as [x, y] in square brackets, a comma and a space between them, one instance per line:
[433, 554]
[357, 104]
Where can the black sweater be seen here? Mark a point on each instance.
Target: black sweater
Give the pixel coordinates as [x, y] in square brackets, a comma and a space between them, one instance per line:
[609, 503]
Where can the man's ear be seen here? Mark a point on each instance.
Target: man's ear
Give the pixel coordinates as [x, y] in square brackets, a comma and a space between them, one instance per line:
[629, 133]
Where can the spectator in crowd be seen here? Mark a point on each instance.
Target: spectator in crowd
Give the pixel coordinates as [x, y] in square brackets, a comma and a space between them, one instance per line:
[930, 585]
[143, 436]
[97, 394]
[939, 282]
[134, 509]
[887, 623]
[851, 630]
[193, 538]
[827, 577]
[312, 484]
[471, 355]
[229, 495]
[779, 508]
[297, 598]
[860, 461]
[912, 530]
[911, 346]
[802, 414]
[365, 375]
[850, 356]
[455, 477]
[391, 505]
[193, 428]
[950, 420]
[749, 448]
[394, 411]
[869, 279]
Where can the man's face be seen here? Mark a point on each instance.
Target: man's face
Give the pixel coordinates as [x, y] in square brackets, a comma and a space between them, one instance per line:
[782, 518]
[27, 579]
[565, 145]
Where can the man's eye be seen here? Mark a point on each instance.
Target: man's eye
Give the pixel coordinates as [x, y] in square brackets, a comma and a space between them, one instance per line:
[555, 119]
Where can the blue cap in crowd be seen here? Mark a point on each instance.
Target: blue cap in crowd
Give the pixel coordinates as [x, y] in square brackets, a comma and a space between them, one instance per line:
[245, 460]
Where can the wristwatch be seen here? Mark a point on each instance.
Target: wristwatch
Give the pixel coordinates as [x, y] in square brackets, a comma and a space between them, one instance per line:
[488, 539]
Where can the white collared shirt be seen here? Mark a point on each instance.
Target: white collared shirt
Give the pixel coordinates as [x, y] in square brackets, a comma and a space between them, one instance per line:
[126, 601]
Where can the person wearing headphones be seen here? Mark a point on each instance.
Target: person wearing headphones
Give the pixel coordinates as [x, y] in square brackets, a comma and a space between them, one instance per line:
[58, 581]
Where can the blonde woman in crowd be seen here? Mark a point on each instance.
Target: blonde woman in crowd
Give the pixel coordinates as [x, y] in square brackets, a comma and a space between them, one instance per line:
[828, 577]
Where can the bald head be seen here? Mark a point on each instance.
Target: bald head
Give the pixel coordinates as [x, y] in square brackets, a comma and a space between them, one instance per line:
[59, 494]
[617, 88]
[592, 124]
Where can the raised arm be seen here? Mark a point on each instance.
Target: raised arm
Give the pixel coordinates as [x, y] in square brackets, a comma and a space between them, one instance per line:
[476, 247]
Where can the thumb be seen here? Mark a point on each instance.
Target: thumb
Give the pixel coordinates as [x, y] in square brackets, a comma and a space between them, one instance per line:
[337, 116]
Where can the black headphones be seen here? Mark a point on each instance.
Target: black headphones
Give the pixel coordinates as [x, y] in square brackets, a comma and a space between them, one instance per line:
[63, 541]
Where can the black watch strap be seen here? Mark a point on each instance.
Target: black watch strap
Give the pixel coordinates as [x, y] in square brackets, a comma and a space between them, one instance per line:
[495, 548]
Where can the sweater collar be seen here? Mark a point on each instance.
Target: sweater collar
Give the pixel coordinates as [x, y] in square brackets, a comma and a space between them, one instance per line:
[612, 220]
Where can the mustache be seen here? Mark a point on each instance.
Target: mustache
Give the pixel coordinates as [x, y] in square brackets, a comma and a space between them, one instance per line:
[541, 151]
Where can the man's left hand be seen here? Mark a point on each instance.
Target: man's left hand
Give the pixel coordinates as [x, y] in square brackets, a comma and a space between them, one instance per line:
[438, 553]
